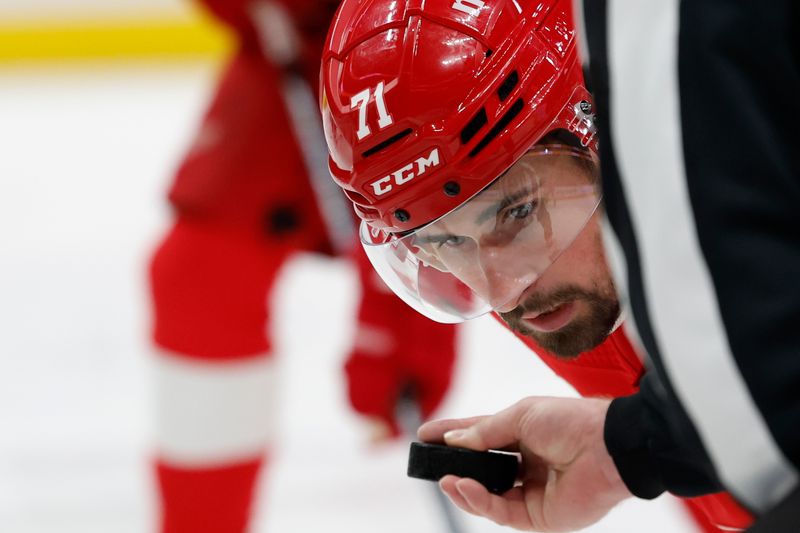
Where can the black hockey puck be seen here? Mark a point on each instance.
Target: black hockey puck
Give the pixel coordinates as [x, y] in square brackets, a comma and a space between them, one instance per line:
[496, 471]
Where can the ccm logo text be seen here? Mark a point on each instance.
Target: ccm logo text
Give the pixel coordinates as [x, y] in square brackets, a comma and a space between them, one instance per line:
[406, 174]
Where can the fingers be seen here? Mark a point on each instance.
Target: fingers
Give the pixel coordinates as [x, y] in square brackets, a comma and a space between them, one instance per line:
[434, 431]
[499, 431]
[509, 509]
[448, 486]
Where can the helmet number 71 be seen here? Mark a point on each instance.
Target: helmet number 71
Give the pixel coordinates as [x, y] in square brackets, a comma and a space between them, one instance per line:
[360, 101]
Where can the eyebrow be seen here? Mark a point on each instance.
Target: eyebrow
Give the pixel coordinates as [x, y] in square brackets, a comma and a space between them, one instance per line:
[492, 210]
[430, 239]
[484, 215]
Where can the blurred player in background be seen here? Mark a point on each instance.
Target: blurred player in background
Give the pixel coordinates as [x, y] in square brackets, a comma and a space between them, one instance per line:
[473, 166]
[244, 201]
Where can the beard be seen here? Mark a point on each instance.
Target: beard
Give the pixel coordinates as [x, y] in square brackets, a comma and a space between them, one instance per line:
[583, 333]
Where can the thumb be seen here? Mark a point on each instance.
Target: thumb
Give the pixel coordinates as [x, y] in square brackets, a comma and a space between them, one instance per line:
[498, 431]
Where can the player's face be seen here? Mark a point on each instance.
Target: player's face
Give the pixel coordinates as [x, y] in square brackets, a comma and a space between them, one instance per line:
[573, 307]
[525, 246]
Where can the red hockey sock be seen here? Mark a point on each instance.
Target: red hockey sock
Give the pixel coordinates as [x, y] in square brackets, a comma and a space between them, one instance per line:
[214, 375]
[207, 500]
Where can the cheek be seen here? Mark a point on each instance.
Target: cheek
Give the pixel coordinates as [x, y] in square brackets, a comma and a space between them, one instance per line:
[598, 275]
[583, 264]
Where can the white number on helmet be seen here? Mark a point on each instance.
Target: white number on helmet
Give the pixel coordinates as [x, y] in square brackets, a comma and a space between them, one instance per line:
[360, 101]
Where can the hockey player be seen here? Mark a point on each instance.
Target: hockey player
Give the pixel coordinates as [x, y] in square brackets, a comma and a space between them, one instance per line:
[243, 203]
[463, 134]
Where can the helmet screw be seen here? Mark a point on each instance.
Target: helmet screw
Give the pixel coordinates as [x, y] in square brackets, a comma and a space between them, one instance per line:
[451, 188]
[586, 107]
[402, 215]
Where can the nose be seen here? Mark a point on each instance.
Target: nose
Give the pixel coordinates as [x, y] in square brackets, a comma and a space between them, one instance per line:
[504, 277]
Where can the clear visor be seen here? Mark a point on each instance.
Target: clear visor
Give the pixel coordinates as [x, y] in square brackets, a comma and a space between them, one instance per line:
[483, 255]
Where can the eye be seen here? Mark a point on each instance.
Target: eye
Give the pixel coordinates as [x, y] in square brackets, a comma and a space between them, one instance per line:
[451, 241]
[521, 211]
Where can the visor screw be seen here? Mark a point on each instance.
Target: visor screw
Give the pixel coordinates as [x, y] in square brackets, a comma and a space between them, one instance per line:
[586, 107]
[451, 188]
[402, 215]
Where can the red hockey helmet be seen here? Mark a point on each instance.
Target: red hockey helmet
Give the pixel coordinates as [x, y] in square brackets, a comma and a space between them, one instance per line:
[426, 103]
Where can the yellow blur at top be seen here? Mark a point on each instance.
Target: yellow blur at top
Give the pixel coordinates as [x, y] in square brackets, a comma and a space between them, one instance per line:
[173, 36]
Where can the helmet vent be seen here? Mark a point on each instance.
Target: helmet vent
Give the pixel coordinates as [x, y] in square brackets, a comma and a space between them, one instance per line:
[508, 85]
[366, 212]
[501, 124]
[388, 142]
[356, 198]
[473, 126]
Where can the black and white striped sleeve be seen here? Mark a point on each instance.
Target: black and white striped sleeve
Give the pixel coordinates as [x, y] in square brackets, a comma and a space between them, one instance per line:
[701, 169]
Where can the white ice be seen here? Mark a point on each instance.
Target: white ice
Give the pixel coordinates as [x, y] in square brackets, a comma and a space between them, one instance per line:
[85, 156]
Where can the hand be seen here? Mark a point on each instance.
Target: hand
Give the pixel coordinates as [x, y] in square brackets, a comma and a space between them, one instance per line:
[379, 431]
[568, 480]
[397, 355]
